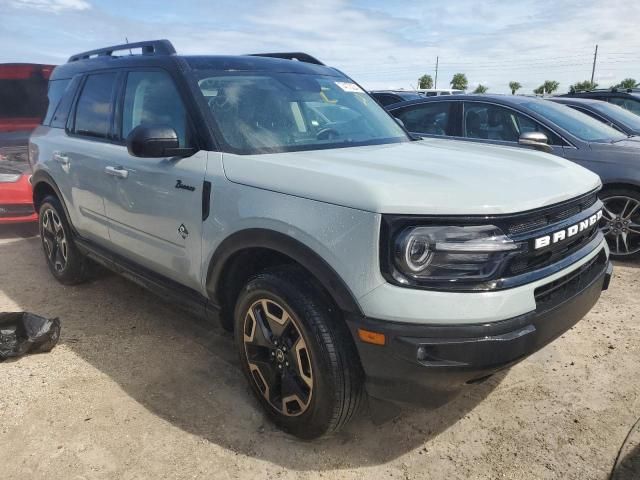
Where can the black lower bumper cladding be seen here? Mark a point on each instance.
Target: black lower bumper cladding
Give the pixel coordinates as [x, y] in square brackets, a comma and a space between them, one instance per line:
[430, 364]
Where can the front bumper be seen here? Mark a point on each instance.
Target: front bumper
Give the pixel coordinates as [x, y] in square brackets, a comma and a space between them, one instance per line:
[430, 364]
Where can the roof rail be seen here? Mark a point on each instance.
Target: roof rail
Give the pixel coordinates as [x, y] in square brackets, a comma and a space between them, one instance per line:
[150, 47]
[300, 56]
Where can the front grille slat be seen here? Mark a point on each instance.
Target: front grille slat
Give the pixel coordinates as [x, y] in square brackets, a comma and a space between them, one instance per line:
[538, 220]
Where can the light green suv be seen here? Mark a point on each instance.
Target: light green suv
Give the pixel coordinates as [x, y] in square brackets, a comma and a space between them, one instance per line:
[272, 193]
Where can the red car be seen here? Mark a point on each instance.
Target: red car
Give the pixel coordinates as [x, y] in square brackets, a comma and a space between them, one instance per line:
[23, 103]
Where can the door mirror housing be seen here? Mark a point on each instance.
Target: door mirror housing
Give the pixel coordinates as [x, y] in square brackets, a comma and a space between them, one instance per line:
[155, 141]
[536, 140]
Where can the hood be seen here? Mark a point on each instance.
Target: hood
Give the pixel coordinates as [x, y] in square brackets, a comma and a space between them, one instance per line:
[426, 177]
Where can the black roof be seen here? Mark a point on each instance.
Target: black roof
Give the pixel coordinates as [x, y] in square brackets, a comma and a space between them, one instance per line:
[159, 53]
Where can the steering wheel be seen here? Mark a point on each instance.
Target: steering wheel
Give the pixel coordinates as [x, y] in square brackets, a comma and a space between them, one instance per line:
[327, 134]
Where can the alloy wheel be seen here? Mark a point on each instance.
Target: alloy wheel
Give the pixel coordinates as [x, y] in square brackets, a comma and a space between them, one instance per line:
[54, 240]
[621, 224]
[278, 357]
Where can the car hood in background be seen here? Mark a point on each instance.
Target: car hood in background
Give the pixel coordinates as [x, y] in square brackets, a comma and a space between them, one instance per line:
[431, 176]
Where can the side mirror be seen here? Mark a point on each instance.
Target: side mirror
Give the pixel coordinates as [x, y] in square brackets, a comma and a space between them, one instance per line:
[537, 140]
[155, 141]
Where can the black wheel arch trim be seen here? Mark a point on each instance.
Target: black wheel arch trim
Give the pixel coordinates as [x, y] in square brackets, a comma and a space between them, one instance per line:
[286, 245]
[41, 176]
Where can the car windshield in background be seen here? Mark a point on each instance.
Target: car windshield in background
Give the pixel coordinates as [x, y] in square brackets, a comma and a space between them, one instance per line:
[578, 124]
[619, 114]
[284, 112]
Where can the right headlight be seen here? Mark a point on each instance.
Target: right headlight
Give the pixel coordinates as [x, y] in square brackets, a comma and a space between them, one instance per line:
[429, 255]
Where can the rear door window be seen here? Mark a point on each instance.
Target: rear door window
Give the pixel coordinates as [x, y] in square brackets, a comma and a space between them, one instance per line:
[627, 103]
[95, 106]
[433, 118]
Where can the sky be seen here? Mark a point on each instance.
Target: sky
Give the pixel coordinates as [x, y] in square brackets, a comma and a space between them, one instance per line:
[381, 44]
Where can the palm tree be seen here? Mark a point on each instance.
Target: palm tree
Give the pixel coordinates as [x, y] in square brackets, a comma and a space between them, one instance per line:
[459, 81]
[481, 89]
[514, 86]
[549, 86]
[581, 86]
[425, 81]
[628, 83]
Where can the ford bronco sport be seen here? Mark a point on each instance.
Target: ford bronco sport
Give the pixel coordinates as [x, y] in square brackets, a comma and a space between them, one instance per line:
[272, 193]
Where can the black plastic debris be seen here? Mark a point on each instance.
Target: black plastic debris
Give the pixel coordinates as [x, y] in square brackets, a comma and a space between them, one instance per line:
[24, 332]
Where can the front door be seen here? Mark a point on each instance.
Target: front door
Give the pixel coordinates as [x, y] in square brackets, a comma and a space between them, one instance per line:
[155, 204]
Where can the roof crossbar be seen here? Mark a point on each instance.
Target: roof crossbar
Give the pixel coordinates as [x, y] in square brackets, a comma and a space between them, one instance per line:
[300, 56]
[150, 47]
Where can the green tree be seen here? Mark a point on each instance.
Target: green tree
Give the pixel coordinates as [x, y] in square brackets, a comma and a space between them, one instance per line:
[586, 85]
[549, 86]
[628, 83]
[481, 89]
[514, 86]
[425, 81]
[459, 81]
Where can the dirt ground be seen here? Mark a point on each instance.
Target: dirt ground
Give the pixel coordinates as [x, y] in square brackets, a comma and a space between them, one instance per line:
[137, 389]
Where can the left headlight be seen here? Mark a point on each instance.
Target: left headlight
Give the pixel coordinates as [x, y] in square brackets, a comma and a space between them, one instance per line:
[443, 254]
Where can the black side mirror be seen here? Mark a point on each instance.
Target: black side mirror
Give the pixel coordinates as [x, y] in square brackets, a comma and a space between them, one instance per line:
[537, 140]
[155, 141]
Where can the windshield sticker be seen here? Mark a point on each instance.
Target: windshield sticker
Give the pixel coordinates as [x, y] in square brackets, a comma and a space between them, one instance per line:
[349, 87]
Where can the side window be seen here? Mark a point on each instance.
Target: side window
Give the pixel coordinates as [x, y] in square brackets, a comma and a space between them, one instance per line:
[93, 113]
[54, 94]
[60, 113]
[151, 98]
[386, 99]
[629, 104]
[429, 118]
[493, 122]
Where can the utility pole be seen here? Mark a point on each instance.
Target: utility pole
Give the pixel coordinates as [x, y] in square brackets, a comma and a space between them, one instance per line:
[435, 84]
[593, 70]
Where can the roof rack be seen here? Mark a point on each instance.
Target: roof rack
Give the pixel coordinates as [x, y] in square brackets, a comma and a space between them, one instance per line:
[150, 47]
[299, 56]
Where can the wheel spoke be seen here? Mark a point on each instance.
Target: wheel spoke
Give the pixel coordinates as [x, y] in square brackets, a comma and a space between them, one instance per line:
[624, 240]
[608, 213]
[633, 210]
[302, 361]
[276, 317]
[293, 394]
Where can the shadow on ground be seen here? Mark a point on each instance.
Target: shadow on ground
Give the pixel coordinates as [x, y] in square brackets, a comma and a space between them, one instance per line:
[628, 465]
[186, 372]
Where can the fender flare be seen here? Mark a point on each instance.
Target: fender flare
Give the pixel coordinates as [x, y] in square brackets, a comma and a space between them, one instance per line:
[41, 176]
[286, 245]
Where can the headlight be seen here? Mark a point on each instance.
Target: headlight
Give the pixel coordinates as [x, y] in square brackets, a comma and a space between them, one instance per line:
[428, 255]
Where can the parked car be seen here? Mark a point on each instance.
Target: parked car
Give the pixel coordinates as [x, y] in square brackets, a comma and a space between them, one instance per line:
[529, 122]
[346, 257]
[389, 97]
[613, 115]
[436, 92]
[23, 101]
[627, 98]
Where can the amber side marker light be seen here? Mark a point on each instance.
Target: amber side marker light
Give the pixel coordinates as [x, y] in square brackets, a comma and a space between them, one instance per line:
[374, 338]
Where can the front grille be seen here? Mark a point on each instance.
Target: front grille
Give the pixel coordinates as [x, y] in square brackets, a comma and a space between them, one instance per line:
[551, 215]
[16, 210]
[552, 294]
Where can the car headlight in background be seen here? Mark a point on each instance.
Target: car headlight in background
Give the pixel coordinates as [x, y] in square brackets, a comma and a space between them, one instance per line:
[435, 254]
[9, 177]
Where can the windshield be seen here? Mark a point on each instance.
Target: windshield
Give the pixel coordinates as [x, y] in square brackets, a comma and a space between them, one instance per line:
[619, 115]
[268, 112]
[576, 123]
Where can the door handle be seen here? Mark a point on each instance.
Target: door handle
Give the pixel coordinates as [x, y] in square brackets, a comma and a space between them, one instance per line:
[116, 172]
[61, 158]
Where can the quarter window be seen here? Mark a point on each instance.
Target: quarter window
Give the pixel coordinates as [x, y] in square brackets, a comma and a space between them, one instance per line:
[93, 114]
[428, 118]
[627, 103]
[151, 98]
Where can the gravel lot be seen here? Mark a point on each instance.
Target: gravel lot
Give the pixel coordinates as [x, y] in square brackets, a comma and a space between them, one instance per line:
[137, 389]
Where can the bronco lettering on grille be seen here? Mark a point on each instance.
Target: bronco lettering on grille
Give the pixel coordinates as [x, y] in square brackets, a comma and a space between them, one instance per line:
[567, 233]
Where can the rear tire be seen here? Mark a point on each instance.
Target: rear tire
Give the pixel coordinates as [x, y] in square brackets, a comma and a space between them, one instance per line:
[64, 260]
[298, 357]
[621, 222]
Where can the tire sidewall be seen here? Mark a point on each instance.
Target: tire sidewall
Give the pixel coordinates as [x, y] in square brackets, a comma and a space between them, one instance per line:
[317, 418]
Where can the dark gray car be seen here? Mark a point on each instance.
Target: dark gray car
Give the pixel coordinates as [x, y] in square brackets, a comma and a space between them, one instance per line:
[608, 113]
[535, 123]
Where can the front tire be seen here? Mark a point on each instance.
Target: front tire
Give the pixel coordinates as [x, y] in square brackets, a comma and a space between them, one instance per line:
[297, 356]
[621, 222]
[64, 260]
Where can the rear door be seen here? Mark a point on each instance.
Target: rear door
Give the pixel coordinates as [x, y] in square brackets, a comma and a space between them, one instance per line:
[431, 119]
[154, 205]
[491, 123]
